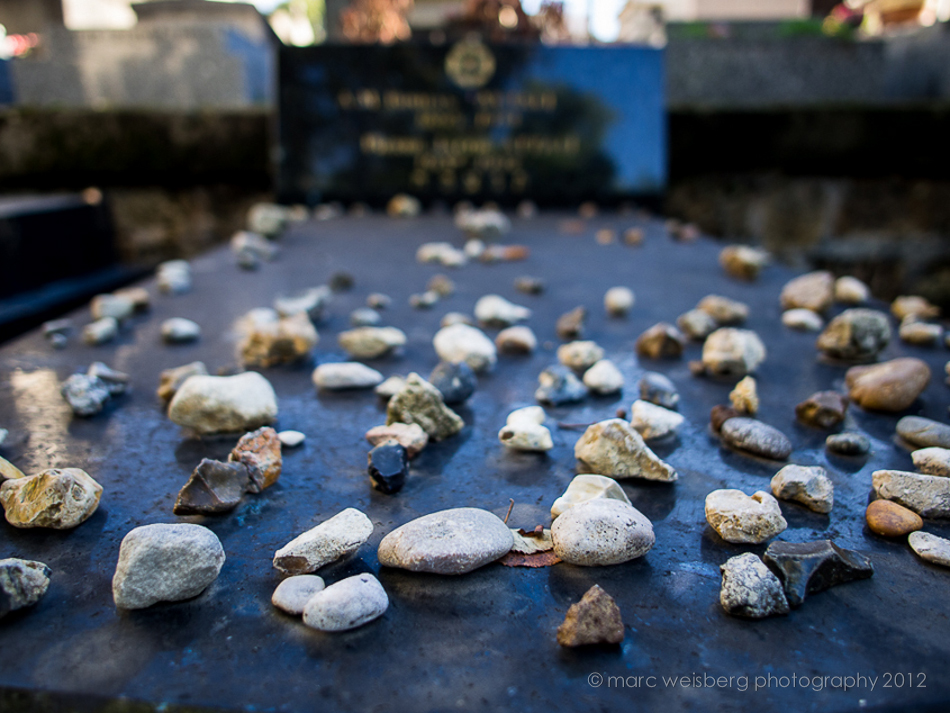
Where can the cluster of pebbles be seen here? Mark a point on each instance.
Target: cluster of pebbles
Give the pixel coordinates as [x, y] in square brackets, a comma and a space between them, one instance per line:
[593, 522]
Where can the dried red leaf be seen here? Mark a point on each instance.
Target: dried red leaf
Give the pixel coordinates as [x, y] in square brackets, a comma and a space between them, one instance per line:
[538, 559]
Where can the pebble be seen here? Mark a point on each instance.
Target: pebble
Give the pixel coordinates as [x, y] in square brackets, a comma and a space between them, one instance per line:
[586, 487]
[456, 381]
[86, 395]
[268, 339]
[757, 438]
[914, 305]
[516, 340]
[744, 397]
[259, 451]
[743, 261]
[658, 389]
[603, 378]
[920, 334]
[347, 604]
[388, 467]
[889, 386]
[570, 325]
[337, 376]
[558, 386]
[926, 495]
[224, 404]
[390, 387]
[744, 519]
[696, 324]
[371, 342]
[924, 432]
[378, 300]
[174, 277]
[424, 300]
[633, 236]
[618, 301]
[172, 379]
[848, 444]
[750, 590]
[482, 222]
[461, 342]
[311, 302]
[441, 253]
[179, 330]
[116, 382]
[58, 341]
[452, 541]
[250, 248]
[451, 318]
[614, 448]
[725, 311]
[719, 414]
[654, 422]
[525, 431]
[824, 409]
[341, 535]
[266, 218]
[291, 439]
[214, 487]
[114, 306]
[595, 619]
[887, 518]
[932, 461]
[496, 311]
[59, 499]
[8, 471]
[855, 334]
[409, 435]
[661, 341]
[101, 331]
[529, 285]
[293, 593]
[365, 317]
[810, 567]
[803, 319]
[420, 402]
[341, 281]
[814, 291]
[579, 355]
[22, 584]
[165, 563]
[808, 485]
[850, 290]
[601, 532]
[57, 326]
[930, 548]
[733, 352]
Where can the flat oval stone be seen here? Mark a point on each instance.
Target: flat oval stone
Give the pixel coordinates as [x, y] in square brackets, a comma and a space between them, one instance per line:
[927, 495]
[349, 603]
[601, 532]
[337, 537]
[293, 593]
[932, 461]
[889, 386]
[930, 548]
[752, 436]
[179, 330]
[848, 444]
[452, 541]
[345, 375]
[924, 432]
[889, 519]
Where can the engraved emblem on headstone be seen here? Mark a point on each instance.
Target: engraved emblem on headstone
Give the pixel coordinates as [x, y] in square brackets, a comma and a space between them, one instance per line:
[470, 64]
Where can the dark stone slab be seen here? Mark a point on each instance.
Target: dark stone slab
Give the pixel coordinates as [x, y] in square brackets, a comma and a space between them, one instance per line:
[809, 567]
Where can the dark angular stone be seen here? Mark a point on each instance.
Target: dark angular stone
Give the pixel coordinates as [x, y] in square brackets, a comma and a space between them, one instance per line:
[529, 285]
[214, 487]
[388, 467]
[559, 386]
[810, 567]
[658, 389]
[752, 436]
[456, 381]
[825, 409]
[848, 444]
[719, 414]
[570, 325]
[341, 281]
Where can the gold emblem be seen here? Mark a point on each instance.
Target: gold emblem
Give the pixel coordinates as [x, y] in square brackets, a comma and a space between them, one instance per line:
[470, 64]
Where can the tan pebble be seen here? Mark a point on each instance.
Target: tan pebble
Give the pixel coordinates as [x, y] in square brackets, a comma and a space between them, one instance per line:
[890, 519]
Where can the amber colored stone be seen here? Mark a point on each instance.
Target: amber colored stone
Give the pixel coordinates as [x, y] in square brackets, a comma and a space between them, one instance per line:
[889, 519]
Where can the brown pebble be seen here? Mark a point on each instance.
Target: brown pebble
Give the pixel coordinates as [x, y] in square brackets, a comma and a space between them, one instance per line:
[621, 413]
[633, 236]
[595, 619]
[825, 409]
[696, 367]
[719, 414]
[887, 518]
[588, 209]
[889, 386]
[661, 341]
[570, 325]
[605, 236]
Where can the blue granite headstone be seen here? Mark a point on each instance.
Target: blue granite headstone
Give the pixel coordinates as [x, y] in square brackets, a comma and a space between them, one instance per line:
[471, 120]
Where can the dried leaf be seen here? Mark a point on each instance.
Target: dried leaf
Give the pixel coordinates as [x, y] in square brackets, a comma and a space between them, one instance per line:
[538, 559]
[527, 543]
[536, 532]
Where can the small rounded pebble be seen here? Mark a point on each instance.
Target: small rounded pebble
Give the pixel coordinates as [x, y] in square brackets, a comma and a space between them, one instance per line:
[365, 317]
[932, 461]
[757, 438]
[930, 548]
[848, 444]
[579, 355]
[347, 604]
[658, 389]
[890, 519]
[600, 532]
[293, 593]
[291, 439]
[802, 319]
[618, 301]
[179, 330]
[661, 341]
[924, 432]
[603, 378]
[850, 290]
[516, 340]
